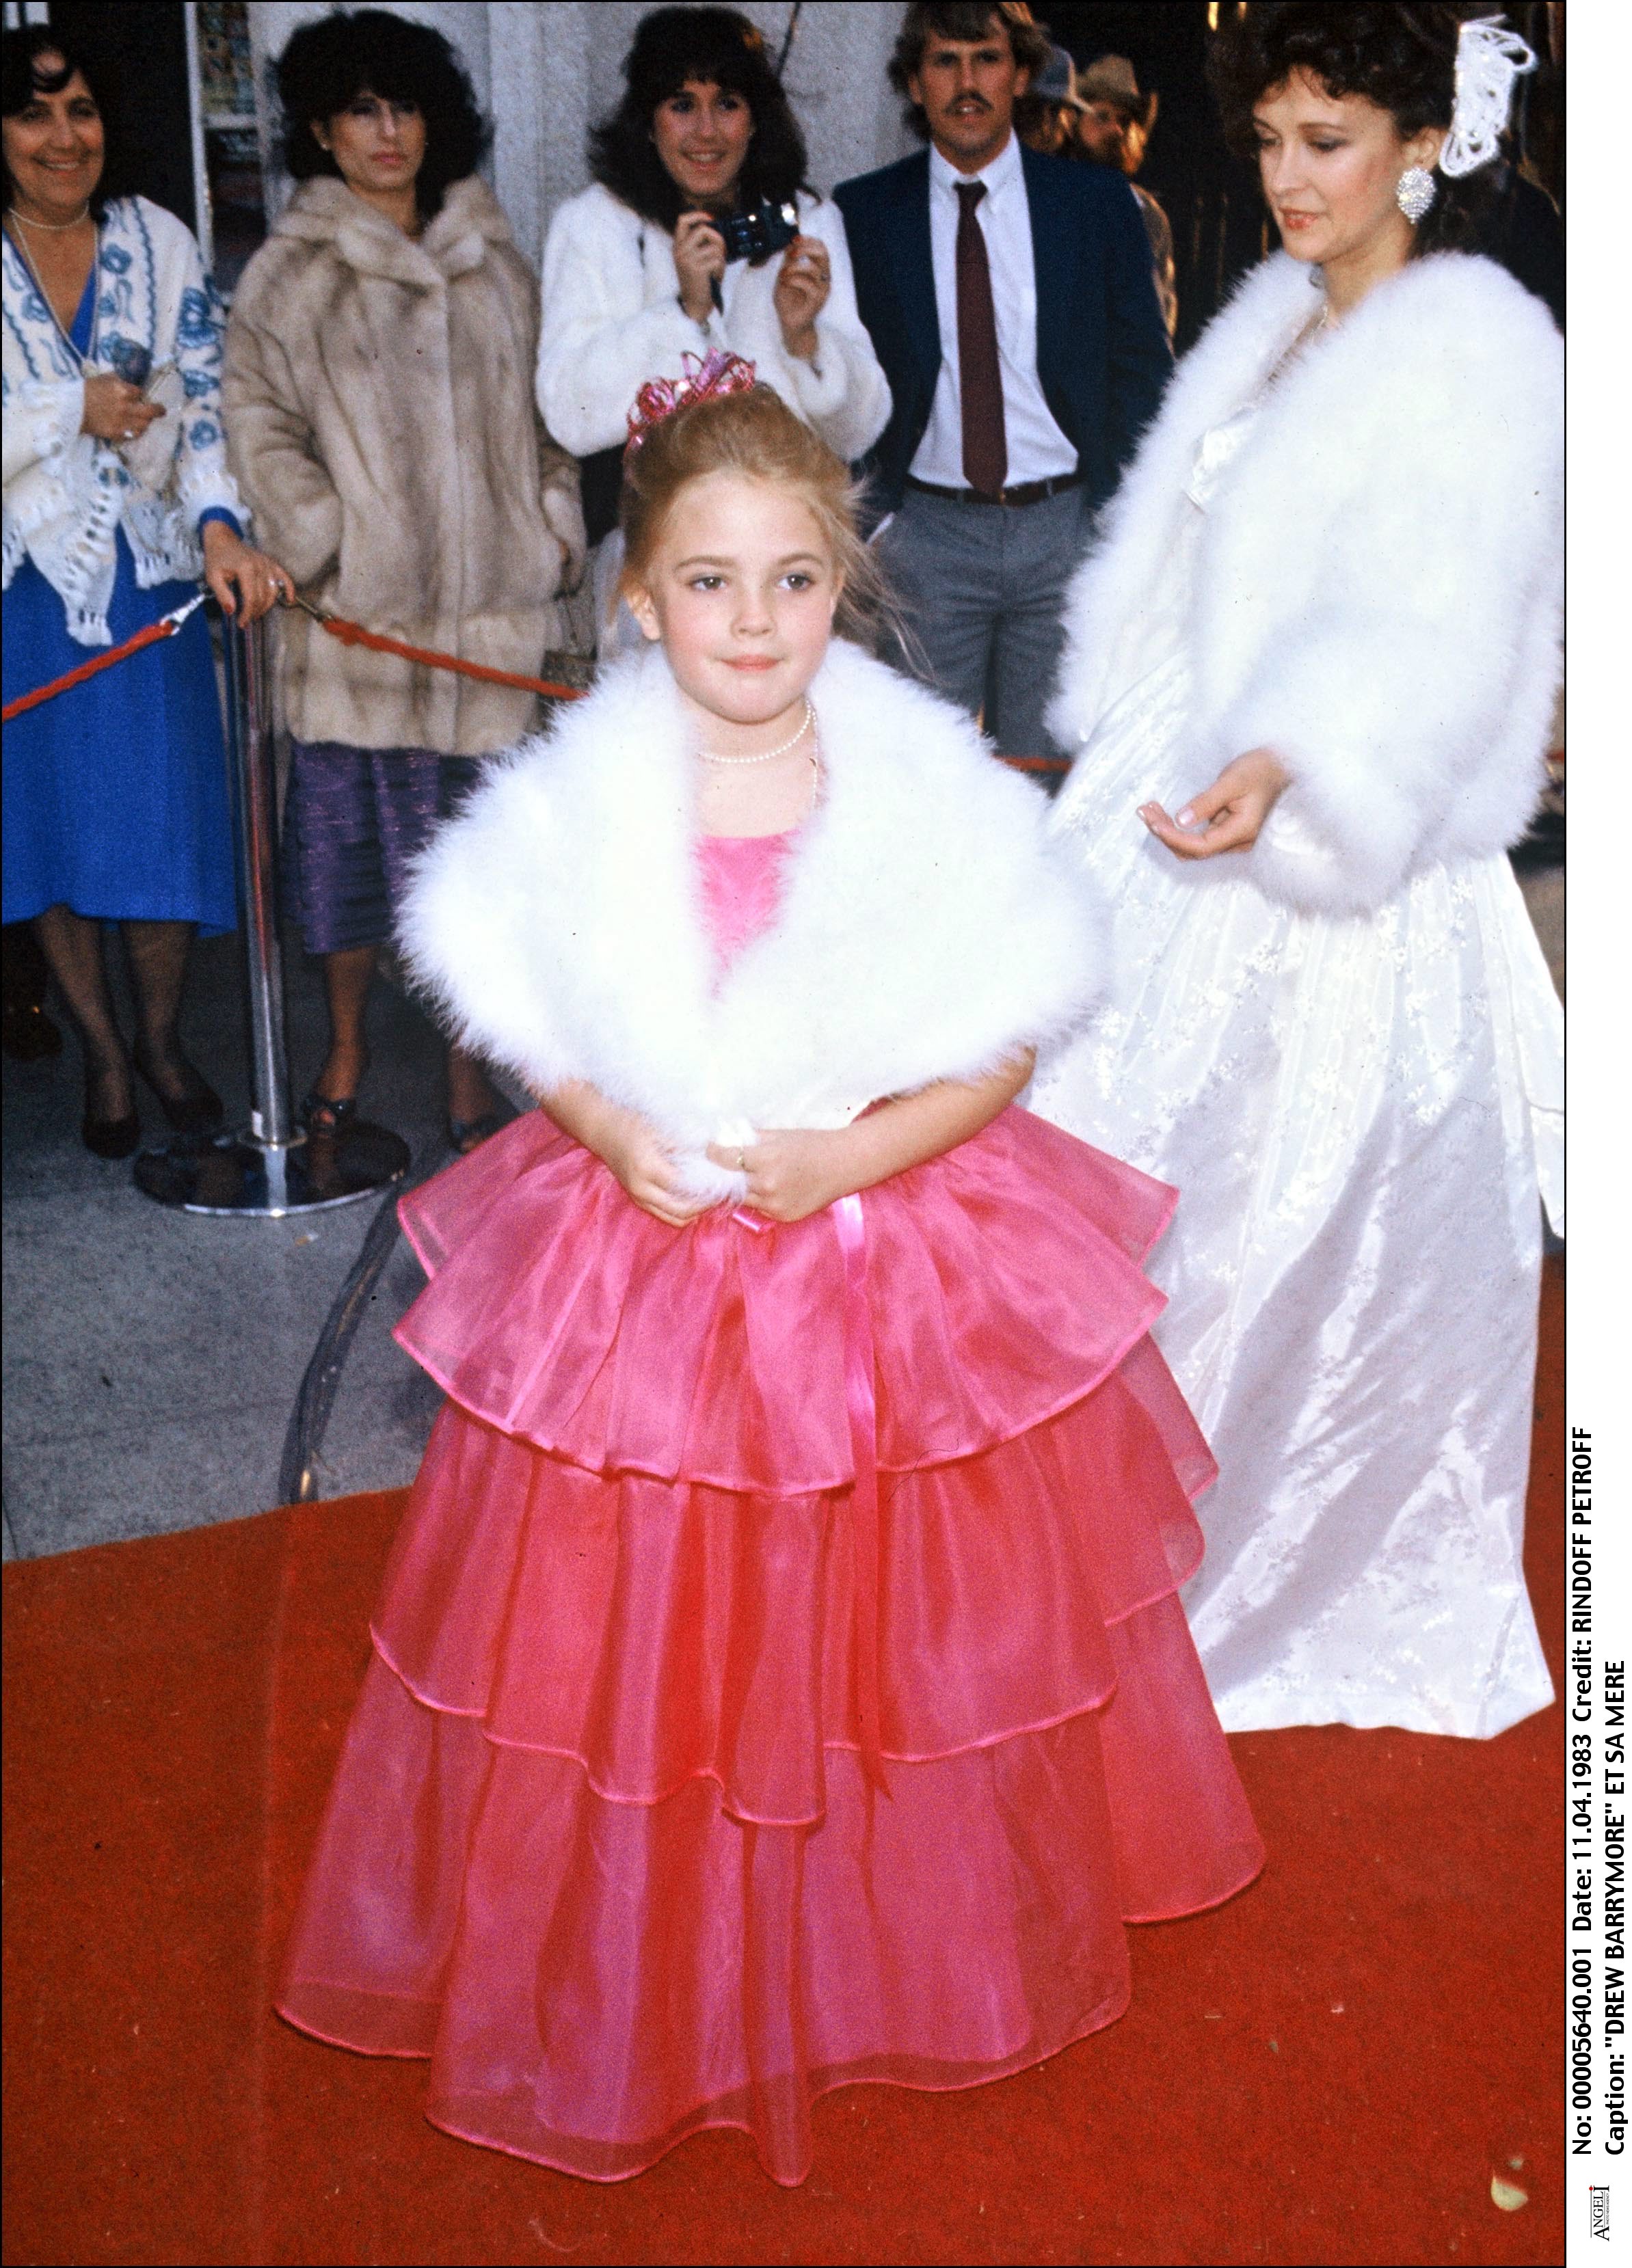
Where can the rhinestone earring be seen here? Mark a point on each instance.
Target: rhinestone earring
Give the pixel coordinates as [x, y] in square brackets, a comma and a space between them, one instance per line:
[1415, 193]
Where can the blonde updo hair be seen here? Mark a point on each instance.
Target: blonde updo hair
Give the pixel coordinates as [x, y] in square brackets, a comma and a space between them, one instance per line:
[755, 434]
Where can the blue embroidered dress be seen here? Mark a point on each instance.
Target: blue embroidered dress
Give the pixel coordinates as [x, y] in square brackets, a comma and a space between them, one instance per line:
[116, 798]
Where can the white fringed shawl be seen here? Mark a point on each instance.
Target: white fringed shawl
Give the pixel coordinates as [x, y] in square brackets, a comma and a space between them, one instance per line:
[66, 493]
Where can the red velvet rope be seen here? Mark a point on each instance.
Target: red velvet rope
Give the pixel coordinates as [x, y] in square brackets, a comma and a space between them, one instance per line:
[167, 626]
[354, 634]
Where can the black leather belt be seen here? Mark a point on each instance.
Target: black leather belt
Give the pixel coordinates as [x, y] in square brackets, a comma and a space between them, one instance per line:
[1028, 492]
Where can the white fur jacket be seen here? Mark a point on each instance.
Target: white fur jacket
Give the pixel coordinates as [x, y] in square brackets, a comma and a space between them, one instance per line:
[1378, 584]
[67, 494]
[928, 928]
[613, 319]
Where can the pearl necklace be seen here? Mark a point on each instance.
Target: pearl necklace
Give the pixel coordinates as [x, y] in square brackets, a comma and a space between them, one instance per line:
[710, 757]
[53, 227]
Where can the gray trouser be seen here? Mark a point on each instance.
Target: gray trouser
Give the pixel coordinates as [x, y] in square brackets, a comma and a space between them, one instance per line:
[983, 591]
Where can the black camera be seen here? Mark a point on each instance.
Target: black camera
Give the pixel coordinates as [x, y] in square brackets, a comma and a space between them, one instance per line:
[756, 234]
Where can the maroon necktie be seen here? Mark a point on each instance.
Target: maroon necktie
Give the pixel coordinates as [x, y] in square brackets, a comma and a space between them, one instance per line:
[985, 446]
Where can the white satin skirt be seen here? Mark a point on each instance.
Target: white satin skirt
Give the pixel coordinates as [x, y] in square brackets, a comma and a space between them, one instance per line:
[1359, 1115]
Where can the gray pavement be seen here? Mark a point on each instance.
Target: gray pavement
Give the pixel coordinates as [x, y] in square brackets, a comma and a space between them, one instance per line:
[151, 1358]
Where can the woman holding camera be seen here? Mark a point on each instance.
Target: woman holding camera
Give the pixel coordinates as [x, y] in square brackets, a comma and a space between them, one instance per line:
[117, 500]
[698, 232]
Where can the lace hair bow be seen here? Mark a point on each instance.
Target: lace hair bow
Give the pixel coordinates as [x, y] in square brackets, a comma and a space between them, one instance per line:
[1489, 57]
[704, 377]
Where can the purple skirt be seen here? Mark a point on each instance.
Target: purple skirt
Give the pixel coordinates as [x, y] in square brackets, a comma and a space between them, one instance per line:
[353, 822]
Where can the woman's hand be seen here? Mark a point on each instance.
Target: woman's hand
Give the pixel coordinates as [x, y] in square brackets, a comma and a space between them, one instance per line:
[700, 259]
[801, 288]
[629, 1147]
[794, 1173]
[229, 560]
[1226, 816]
[115, 410]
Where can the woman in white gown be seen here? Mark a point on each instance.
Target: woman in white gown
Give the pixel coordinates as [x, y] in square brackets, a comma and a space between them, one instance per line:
[1330, 586]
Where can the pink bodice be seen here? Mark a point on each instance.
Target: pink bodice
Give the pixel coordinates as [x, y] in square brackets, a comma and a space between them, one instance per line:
[742, 877]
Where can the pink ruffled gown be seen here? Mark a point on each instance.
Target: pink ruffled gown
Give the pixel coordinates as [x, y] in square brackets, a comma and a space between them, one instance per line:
[780, 1679]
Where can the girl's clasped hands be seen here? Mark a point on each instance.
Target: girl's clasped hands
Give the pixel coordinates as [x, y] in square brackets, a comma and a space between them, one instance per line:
[791, 1173]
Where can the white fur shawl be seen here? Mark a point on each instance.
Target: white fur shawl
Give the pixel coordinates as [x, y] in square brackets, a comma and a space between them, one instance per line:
[927, 926]
[1378, 589]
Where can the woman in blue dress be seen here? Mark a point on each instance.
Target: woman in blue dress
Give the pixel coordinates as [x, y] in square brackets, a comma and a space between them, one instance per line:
[117, 499]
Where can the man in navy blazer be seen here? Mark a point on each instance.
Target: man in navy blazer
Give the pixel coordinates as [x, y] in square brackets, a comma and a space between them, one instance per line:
[1036, 271]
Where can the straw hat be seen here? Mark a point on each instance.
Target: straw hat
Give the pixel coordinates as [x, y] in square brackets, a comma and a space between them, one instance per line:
[1110, 79]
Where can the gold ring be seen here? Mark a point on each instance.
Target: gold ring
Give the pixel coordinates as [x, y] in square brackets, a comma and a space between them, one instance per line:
[742, 1161]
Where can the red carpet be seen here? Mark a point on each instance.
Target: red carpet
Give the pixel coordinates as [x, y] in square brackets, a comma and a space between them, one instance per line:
[1330, 2069]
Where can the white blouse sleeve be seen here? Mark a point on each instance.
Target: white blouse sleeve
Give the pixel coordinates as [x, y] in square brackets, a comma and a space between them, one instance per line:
[202, 481]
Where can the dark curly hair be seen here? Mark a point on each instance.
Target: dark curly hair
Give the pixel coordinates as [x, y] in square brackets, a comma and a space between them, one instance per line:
[21, 78]
[1402, 58]
[714, 47]
[964, 19]
[326, 64]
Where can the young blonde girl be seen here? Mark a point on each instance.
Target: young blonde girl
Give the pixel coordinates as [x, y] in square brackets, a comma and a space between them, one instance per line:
[780, 1679]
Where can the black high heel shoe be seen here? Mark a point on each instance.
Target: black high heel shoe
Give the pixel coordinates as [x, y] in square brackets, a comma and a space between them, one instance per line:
[199, 1111]
[108, 1138]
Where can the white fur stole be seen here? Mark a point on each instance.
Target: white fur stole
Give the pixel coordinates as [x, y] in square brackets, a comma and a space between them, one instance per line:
[928, 927]
[1378, 585]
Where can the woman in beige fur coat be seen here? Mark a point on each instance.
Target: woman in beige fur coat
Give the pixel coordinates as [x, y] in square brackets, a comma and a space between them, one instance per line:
[378, 395]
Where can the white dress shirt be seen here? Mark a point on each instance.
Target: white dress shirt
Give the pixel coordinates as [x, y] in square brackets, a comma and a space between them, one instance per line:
[1037, 450]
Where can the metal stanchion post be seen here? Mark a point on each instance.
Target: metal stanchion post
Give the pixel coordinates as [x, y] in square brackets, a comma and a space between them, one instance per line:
[273, 1166]
[249, 695]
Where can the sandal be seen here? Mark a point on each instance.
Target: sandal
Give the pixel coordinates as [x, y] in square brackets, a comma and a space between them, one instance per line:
[327, 1119]
[467, 1134]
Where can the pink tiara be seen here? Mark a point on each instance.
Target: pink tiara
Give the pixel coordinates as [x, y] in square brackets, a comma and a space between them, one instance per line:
[715, 373]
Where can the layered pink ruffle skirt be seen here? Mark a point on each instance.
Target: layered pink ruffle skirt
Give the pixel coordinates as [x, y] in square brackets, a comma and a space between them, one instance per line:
[702, 1767]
